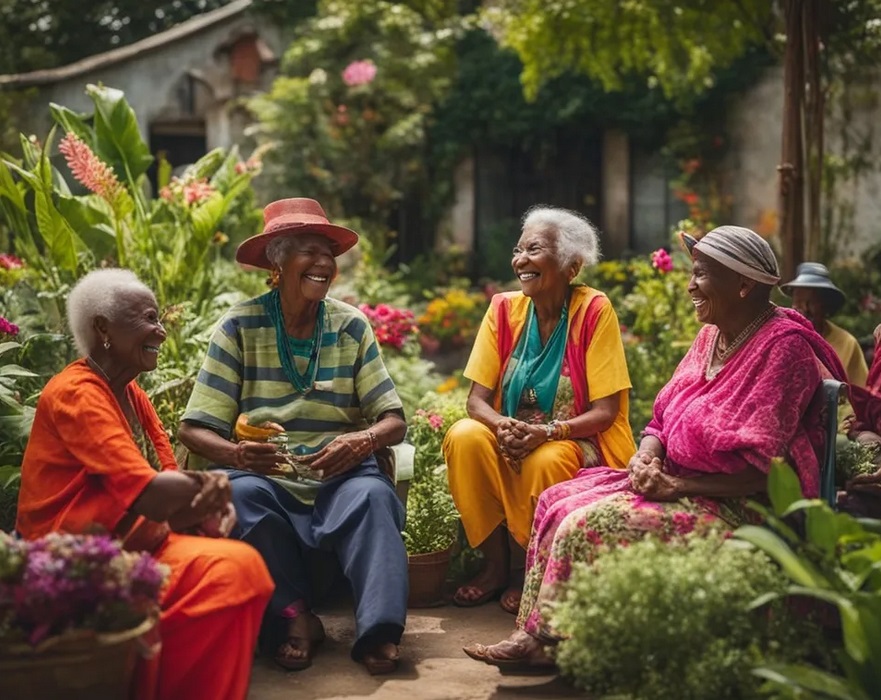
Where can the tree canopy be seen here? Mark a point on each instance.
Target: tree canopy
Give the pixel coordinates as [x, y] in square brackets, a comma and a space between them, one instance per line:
[38, 34]
[677, 45]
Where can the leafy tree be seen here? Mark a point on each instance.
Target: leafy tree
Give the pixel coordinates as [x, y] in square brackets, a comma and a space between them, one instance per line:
[348, 117]
[676, 45]
[38, 34]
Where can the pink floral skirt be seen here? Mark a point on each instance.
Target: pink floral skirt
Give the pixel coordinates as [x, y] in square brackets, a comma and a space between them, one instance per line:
[574, 520]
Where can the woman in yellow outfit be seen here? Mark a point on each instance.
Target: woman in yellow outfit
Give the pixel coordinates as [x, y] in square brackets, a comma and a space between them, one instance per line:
[549, 396]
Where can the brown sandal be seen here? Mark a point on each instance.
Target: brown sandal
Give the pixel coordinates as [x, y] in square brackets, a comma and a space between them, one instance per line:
[513, 655]
[510, 600]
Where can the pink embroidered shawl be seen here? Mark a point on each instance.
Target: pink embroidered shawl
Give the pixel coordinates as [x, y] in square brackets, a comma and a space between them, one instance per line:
[760, 406]
[867, 402]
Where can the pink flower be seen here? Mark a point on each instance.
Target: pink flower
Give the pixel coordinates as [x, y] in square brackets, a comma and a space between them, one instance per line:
[88, 168]
[197, 191]
[662, 261]
[359, 73]
[8, 328]
[436, 421]
[10, 262]
[683, 523]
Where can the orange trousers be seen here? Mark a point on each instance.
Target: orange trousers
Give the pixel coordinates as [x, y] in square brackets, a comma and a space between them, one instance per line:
[211, 610]
[487, 492]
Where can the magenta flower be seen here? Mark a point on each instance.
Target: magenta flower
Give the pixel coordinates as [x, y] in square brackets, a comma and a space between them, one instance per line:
[662, 261]
[359, 73]
[10, 262]
[8, 328]
[88, 168]
[436, 421]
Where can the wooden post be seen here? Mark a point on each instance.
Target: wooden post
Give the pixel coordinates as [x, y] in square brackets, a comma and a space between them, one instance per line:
[791, 166]
[814, 108]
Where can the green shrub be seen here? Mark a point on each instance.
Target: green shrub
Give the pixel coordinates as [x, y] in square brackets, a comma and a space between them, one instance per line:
[432, 518]
[669, 621]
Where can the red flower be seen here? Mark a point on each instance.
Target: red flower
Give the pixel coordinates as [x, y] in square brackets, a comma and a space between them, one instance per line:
[10, 262]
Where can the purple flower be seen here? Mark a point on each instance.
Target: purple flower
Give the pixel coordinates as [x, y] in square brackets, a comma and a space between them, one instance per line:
[63, 581]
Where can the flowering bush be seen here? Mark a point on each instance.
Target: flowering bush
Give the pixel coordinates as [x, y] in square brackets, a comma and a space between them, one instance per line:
[8, 329]
[452, 320]
[432, 519]
[393, 327]
[63, 582]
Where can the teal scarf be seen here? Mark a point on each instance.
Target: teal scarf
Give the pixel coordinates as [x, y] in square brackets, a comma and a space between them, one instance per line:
[533, 371]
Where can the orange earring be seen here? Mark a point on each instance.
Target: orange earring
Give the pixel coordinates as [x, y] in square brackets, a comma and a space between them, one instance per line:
[274, 279]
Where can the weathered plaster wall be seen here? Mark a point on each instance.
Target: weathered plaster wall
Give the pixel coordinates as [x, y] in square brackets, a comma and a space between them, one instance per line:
[755, 130]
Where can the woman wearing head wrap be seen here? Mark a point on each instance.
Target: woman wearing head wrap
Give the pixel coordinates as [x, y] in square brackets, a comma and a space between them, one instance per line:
[741, 396]
[817, 298]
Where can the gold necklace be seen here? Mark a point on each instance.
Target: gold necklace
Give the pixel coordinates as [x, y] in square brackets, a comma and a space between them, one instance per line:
[721, 356]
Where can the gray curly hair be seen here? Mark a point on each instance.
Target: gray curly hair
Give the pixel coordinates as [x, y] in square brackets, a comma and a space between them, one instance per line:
[577, 238]
[98, 294]
[278, 249]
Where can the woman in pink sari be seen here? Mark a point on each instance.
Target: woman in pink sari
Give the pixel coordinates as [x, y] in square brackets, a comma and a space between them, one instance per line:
[743, 395]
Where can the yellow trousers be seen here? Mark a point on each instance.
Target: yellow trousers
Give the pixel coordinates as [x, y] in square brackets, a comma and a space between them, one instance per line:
[488, 492]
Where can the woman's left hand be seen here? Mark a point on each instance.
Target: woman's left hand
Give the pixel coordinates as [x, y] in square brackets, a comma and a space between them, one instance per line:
[340, 455]
[653, 483]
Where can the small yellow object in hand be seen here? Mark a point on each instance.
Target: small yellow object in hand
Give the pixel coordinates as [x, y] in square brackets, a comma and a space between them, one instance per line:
[255, 433]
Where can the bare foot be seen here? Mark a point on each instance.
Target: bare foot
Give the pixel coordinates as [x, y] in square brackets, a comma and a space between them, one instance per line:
[382, 658]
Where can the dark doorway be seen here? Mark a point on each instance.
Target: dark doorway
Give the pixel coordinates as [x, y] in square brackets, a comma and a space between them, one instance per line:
[563, 171]
[180, 144]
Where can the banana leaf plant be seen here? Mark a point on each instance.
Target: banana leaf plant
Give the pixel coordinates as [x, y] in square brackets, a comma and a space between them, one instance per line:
[836, 560]
[94, 206]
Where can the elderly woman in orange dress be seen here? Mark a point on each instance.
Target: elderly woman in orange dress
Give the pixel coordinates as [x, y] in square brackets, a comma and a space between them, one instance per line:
[549, 396]
[742, 395]
[98, 457]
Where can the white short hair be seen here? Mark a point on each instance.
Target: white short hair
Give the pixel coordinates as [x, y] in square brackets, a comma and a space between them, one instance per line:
[577, 238]
[98, 294]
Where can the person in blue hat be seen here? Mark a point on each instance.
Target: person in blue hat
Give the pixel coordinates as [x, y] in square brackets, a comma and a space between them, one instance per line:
[817, 298]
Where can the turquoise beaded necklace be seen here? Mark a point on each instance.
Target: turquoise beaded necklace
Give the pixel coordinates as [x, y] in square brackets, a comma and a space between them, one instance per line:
[288, 347]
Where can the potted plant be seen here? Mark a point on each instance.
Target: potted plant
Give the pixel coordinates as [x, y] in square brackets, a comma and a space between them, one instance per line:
[432, 519]
[72, 611]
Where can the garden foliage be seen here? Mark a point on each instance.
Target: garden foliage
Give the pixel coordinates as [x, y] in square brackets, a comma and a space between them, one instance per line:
[836, 560]
[669, 621]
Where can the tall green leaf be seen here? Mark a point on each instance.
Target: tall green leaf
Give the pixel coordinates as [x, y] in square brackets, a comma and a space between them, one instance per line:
[799, 570]
[72, 122]
[118, 140]
[783, 486]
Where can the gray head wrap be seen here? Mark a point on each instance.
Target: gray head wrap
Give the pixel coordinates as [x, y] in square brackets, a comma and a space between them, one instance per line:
[739, 249]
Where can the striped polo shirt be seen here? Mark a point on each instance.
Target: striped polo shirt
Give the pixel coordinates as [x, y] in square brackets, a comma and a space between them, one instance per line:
[242, 373]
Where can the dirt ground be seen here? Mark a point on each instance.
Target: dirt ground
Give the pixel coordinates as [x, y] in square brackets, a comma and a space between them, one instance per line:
[433, 668]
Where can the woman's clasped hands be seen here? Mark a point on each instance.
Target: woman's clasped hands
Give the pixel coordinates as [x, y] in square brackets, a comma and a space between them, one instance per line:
[517, 439]
[648, 478]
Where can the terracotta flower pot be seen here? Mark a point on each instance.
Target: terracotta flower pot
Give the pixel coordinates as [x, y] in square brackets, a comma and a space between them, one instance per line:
[78, 666]
[428, 577]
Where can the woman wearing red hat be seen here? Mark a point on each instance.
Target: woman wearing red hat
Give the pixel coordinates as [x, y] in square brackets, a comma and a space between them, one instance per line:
[303, 368]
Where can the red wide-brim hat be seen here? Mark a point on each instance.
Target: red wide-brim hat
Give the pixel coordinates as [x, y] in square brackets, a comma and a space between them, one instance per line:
[292, 217]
